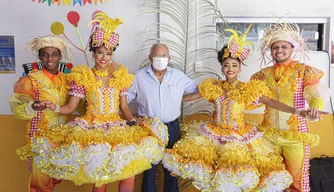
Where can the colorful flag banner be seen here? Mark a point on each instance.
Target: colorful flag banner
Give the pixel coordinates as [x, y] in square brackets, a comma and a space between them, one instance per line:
[71, 2]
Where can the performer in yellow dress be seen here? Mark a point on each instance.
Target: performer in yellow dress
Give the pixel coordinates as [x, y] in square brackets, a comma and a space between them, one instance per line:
[99, 147]
[227, 153]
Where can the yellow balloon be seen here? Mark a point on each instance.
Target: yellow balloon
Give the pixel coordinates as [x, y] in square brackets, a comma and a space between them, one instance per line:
[57, 28]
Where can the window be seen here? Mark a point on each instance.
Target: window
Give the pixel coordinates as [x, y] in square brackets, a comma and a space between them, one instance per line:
[312, 29]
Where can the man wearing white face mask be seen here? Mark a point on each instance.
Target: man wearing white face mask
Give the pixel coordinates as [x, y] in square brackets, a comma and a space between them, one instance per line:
[158, 90]
[160, 63]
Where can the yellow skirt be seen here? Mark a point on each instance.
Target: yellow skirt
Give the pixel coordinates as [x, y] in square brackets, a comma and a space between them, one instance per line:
[227, 166]
[97, 155]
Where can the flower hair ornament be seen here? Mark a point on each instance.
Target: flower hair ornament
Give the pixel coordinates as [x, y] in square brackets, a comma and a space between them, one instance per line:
[236, 45]
[104, 30]
[283, 31]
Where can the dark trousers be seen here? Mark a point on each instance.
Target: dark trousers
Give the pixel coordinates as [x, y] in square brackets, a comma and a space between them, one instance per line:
[170, 182]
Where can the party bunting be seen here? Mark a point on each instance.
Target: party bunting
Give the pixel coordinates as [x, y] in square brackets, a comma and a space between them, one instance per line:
[56, 1]
[71, 2]
[85, 1]
[76, 1]
[67, 2]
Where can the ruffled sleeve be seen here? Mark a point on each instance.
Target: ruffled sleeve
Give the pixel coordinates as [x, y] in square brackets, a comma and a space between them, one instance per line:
[122, 79]
[251, 93]
[258, 76]
[210, 89]
[77, 91]
[24, 86]
[20, 102]
[79, 79]
[316, 95]
[80, 75]
[312, 75]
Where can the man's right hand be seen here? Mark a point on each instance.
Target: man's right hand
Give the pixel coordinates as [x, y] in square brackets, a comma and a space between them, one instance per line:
[38, 106]
[314, 114]
[47, 104]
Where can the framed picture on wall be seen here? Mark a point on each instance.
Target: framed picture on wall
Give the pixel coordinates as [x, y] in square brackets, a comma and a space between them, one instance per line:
[7, 54]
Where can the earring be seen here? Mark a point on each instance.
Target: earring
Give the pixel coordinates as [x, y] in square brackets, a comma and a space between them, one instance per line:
[238, 74]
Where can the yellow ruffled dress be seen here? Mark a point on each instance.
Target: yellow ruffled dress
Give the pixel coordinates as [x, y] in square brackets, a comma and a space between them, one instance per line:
[99, 147]
[227, 153]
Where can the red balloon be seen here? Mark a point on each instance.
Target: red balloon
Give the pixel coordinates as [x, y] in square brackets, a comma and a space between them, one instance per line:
[73, 17]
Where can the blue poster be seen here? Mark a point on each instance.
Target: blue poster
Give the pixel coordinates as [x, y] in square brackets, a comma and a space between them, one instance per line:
[7, 54]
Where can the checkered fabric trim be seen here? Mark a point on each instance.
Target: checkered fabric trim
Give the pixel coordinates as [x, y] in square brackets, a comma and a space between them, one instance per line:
[299, 103]
[98, 38]
[109, 92]
[105, 88]
[234, 49]
[30, 164]
[113, 40]
[101, 37]
[245, 138]
[244, 54]
[78, 91]
[35, 120]
[219, 102]
[124, 91]
[33, 125]
[305, 182]
[203, 130]
[249, 136]
[257, 102]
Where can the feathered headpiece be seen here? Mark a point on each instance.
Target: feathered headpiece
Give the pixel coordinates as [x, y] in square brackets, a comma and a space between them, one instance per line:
[49, 41]
[236, 45]
[289, 32]
[104, 31]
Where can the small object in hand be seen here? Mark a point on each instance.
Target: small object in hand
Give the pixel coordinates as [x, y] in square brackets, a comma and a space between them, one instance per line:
[131, 123]
[57, 109]
[297, 112]
[36, 103]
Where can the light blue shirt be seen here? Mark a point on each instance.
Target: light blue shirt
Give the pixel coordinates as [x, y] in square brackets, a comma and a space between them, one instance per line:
[160, 100]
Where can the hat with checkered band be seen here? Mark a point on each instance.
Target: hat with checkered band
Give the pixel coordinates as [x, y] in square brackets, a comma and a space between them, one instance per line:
[103, 31]
[236, 45]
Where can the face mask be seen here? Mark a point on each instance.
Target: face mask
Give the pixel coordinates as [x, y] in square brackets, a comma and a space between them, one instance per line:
[160, 63]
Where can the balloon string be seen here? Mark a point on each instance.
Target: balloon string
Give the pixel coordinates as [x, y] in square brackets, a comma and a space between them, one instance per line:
[78, 33]
[89, 39]
[82, 45]
[72, 43]
[77, 48]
